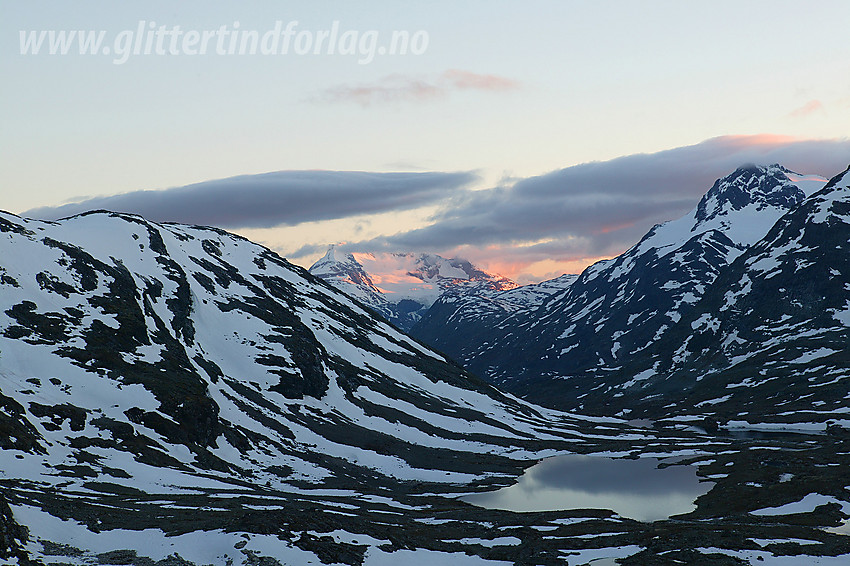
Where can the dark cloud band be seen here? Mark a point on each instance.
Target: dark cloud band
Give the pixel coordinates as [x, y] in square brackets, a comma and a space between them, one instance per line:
[587, 210]
[602, 208]
[284, 198]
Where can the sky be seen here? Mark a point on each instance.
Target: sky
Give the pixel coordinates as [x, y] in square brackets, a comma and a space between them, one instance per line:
[532, 138]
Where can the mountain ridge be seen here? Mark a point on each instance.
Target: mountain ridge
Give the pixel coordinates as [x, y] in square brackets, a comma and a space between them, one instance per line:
[772, 344]
[587, 347]
[411, 282]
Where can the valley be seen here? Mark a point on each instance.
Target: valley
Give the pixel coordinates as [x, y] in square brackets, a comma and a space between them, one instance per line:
[179, 395]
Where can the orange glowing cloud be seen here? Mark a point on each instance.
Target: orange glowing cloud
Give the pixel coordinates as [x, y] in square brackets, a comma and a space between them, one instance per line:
[737, 142]
[519, 267]
[524, 272]
[613, 228]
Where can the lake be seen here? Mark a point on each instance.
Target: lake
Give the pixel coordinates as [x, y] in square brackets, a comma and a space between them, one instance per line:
[637, 489]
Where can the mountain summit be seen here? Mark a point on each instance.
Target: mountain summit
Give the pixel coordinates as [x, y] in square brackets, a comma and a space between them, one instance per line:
[595, 345]
[402, 286]
[341, 270]
[759, 188]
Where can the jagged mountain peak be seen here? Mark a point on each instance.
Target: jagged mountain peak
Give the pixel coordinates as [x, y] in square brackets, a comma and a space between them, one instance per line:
[402, 286]
[335, 260]
[743, 206]
[749, 185]
[342, 268]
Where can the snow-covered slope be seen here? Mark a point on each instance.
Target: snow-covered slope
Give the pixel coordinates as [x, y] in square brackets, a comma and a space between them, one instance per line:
[456, 324]
[148, 371]
[402, 287]
[177, 395]
[575, 347]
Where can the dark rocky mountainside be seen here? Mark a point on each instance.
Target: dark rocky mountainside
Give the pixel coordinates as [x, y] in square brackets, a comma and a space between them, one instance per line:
[460, 324]
[617, 339]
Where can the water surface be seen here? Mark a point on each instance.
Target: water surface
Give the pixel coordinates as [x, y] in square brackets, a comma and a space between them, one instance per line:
[637, 489]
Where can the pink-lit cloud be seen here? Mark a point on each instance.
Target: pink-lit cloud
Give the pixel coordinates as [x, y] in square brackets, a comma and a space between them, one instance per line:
[466, 80]
[767, 141]
[392, 88]
[406, 88]
[807, 109]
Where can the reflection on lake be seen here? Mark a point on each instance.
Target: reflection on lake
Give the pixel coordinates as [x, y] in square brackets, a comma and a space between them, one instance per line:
[636, 489]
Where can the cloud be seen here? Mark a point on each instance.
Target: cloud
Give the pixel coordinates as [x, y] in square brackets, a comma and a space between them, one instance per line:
[807, 109]
[466, 80]
[405, 88]
[567, 216]
[283, 198]
[392, 88]
[601, 208]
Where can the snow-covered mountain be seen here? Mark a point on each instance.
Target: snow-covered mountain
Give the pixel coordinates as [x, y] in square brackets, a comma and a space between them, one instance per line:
[575, 349]
[150, 371]
[773, 330]
[403, 286]
[176, 396]
[344, 272]
[456, 322]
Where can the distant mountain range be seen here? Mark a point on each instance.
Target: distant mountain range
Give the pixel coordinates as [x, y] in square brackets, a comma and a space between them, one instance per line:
[648, 333]
[459, 324]
[402, 287]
